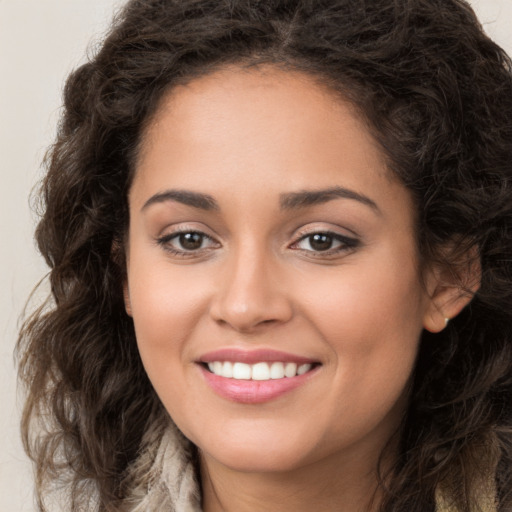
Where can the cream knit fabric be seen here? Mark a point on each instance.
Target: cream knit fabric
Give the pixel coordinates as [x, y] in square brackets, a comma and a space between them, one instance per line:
[164, 478]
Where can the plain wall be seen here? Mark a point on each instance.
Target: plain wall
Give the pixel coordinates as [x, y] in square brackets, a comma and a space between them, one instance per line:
[41, 41]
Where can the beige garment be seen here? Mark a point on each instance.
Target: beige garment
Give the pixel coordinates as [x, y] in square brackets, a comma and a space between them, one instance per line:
[486, 504]
[486, 501]
[164, 478]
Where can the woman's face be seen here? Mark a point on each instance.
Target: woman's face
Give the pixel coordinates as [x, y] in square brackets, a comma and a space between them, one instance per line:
[268, 239]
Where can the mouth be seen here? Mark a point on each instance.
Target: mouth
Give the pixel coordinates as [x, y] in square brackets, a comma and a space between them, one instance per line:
[257, 376]
[260, 371]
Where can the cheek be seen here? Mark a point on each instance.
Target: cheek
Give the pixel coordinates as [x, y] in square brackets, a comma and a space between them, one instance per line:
[371, 320]
[371, 299]
[167, 303]
[381, 294]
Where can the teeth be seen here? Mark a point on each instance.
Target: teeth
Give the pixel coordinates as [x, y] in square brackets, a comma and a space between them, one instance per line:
[290, 370]
[241, 371]
[258, 371]
[303, 368]
[277, 371]
[227, 369]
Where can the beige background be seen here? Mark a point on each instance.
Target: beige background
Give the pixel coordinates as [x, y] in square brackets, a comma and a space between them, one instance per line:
[41, 41]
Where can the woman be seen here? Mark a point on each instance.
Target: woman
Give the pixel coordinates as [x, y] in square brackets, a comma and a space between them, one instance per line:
[279, 236]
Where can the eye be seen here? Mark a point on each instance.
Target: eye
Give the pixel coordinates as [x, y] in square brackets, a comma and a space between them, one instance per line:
[325, 242]
[318, 242]
[185, 242]
[190, 241]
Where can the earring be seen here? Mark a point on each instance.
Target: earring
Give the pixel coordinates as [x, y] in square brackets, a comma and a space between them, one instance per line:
[446, 320]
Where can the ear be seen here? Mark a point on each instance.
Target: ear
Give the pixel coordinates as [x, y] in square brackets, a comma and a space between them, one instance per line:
[451, 288]
[127, 301]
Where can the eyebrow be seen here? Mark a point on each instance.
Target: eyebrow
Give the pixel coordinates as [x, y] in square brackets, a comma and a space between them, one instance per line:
[194, 199]
[305, 198]
[288, 201]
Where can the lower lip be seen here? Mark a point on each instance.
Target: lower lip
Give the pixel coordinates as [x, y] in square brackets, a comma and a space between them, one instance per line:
[254, 391]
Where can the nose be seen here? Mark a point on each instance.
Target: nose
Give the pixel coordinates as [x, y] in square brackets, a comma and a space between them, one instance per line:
[250, 293]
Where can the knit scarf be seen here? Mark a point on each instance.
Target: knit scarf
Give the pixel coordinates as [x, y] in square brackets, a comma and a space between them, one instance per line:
[164, 478]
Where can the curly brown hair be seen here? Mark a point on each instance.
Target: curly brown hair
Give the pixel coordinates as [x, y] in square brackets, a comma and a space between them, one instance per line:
[435, 92]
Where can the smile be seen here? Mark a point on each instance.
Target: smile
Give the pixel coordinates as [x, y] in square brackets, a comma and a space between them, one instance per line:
[260, 371]
[255, 376]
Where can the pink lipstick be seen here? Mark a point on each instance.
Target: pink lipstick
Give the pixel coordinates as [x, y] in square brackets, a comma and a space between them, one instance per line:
[255, 376]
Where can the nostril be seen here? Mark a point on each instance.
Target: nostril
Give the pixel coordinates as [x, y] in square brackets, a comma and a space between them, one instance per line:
[248, 301]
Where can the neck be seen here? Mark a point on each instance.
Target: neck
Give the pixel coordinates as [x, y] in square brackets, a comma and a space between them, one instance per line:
[349, 484]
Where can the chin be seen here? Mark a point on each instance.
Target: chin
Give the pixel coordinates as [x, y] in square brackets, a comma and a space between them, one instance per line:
[258, 451]
[257, 460]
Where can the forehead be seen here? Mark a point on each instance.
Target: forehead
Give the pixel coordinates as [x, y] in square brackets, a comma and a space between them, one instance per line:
[258, 125]
[283, 102]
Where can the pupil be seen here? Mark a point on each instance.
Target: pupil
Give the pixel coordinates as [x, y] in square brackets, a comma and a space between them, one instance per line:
[191, 241]
[321, 242]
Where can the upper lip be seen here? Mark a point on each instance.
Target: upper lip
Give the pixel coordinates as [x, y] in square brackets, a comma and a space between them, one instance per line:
[253, 356]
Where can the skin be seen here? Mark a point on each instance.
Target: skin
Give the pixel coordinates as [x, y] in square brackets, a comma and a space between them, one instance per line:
[245, 138]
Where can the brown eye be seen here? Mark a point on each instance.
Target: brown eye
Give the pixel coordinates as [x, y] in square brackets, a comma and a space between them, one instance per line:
[325, 242]
[320, 242]
[191, 241]
[187, 242]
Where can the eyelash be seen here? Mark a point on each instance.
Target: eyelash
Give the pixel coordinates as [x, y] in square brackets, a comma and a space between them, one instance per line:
[346, 244]
[165, 242]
